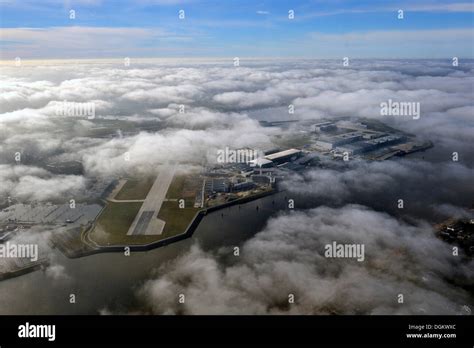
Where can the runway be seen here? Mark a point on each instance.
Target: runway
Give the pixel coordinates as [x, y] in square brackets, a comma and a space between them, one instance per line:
[146, 221]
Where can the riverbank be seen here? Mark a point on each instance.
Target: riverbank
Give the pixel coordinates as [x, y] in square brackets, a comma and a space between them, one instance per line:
[14, 270]
[86, 248]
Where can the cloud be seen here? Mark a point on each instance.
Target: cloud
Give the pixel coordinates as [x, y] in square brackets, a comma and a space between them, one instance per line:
[428, 43]
[433, 7]
[27, 183]
[146, 151]
[76, 41]
[396, 36]
[222, 104]
[381, 185]
[412, 6]
[41, 189]
[219, 102]
[287, 257]
[167, 94]
[57, 272]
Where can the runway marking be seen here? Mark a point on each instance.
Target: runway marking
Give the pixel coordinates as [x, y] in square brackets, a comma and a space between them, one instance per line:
[146, 221]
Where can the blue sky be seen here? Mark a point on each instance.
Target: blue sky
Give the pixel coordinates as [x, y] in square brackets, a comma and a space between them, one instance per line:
[244, 28]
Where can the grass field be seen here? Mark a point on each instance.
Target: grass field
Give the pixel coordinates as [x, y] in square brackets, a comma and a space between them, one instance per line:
[70, 242]
[114, 222]
[177, 219]
[184, 187]
[176, 187]
[135, 189]
[113, 225]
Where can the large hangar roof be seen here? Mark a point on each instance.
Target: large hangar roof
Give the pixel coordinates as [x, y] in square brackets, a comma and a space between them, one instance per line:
[280, 154]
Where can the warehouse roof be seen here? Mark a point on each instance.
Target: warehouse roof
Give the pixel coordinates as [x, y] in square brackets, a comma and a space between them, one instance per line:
[280, 154]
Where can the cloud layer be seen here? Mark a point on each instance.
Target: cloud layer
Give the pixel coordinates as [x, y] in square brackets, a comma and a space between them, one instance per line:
[287, 257]
[138, 113]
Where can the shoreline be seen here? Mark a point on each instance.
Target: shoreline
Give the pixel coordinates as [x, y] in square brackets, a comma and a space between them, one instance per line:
[32, 267]
[187, 233]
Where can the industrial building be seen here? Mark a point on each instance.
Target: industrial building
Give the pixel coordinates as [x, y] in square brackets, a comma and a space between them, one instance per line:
[354, 149]
[261, 163]
[325, 127]
[217, 185]
[369, 145]
[243, 186]
[284, 156]
[263, 179]
[329, 143]
[385, 141]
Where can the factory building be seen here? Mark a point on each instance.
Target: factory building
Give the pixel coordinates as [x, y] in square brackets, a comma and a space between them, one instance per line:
[369, 145]
[385, 141]
[261, 163]
[374, 135]
[216, 185]
[354, 149]
[329, 143]
[284, 156]
[324, 127]
[243, 186]
[263, 179]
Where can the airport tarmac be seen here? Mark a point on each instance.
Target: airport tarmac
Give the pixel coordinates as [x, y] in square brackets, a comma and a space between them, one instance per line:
[146, 221]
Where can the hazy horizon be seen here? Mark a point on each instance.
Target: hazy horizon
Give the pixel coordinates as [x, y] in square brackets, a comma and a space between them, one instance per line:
[187, 28]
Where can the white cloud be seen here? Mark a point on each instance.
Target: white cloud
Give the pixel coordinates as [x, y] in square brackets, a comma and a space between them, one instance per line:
[218, 100]
[76, 41]
[396, 37]
[287, 257]
[27, 183]
[429, 43]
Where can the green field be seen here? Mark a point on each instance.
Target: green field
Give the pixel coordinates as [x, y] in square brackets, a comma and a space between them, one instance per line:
[177, 219]
[116, 219]
[135, 189]
[176, 187]
[113, 225]
[184, 187]
[70, 242]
